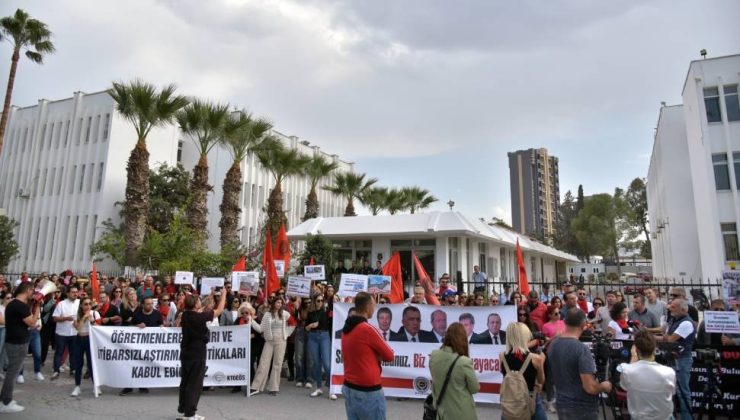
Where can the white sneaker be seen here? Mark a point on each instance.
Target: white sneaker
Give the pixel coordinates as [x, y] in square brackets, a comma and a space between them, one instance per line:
[11, 407]
[308, 385]
[333, 397]
[54, 375]
[61, 368]
[75, 392]
[39, 376]
[97, 388]
[299, 384]
[317, 393]
[20, 379]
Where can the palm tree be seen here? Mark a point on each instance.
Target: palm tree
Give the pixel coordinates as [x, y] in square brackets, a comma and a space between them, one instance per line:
[316, 169]
[350, 186]
[145, 108]
[417, 198]
[204, 122]
[282, 163]
[376, 199]
[395, 201]
[241, 135]
[26, 34]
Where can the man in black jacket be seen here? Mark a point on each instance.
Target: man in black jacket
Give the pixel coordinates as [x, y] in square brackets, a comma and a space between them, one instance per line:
[411, 330]
[493, 335]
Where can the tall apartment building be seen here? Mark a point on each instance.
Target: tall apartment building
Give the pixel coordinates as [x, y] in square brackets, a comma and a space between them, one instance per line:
[63, 166]
[535, 192]
[694, 175]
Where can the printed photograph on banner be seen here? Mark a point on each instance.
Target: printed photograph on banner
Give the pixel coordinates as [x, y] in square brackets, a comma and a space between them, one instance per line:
[246, 282]
[280, 268]
[184, 277]
[209, 283]
[299, 286]
[314, 272]
[731, 286]
[352, 284]
[379, 284]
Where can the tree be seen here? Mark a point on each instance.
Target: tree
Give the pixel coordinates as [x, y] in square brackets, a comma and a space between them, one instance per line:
[110, 244]
[350, 186]
[9, 247]
[375, 198]
[241, 134]
[316, 169]
[636, 198]
[395, 201]
[145, 108]
[169, 191]
[579, 199]
[282, 163]
[27, 34]
[320, 248]
[564, 237]
[594, 227]
[204, 122]
[417, 198]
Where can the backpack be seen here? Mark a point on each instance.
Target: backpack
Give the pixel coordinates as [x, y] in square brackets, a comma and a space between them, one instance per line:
[517, 403]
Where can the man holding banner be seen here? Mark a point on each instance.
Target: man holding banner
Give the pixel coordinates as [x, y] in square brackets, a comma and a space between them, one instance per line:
[193, 353]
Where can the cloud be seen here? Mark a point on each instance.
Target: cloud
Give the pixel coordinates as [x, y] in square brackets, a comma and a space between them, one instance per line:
[502, 212]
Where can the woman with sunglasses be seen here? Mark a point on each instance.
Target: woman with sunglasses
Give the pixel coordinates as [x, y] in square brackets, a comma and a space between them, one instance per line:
[597, 303]
[116, 297]
[230, 316]
[85, 316]
[318, 326]
[275, 329]
[167, 309]
[556, 301]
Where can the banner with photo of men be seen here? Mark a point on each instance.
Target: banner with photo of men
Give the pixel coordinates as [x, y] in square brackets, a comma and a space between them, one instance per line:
[414, 331]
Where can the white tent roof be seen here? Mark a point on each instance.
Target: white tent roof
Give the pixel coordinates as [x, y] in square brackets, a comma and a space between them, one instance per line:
[433, 224]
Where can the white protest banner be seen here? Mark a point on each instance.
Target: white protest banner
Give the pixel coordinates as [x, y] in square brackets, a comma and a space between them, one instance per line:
[184, 277]
[725, 322]
[209, 283]
[352, 284]
[299, 286]
[132, 357]
[379, 284]
[408, 374]
[246, 282]
[280, 268]
[731, 286]
[314, 272]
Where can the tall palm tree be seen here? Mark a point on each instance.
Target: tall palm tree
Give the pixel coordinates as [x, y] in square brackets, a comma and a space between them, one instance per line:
[145, 108]
[316, 169]
[282, 163]
[417, 198]
[25, 34]
[241, 134]
[204, 122]
[376, 199]
[350, 186]
[395, 201]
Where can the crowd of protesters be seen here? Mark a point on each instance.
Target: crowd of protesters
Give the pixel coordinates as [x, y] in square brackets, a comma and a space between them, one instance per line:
[291, 337]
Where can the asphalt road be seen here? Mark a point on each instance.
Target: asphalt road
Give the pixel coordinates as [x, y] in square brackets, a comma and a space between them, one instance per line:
[50, 400]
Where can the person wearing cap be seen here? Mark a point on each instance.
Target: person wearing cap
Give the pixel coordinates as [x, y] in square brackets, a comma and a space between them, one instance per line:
[444, 284]
[449, 298]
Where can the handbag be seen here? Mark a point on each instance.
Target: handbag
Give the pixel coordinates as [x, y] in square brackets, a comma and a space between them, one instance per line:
[430, 407]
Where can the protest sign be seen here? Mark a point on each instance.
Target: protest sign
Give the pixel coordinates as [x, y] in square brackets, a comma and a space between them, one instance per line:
[314, 272]
[246, 282]
[352, 284]
[209, 283]
[731, 286]
[299, 286]
[724, 322]
[379, 284]
[184, 277]
[131, 357]
[280, 268]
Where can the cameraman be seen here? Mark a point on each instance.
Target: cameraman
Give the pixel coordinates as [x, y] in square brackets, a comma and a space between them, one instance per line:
[649, 385]
[577, 391]
[681, 331]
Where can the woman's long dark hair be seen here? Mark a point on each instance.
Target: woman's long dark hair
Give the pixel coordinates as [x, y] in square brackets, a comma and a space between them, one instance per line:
[275, 313]
[80, 309]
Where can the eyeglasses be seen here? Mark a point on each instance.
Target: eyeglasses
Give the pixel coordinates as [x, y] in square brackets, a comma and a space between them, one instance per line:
[523, 314]
[494, 301]
[598, 304]
[164, 300]
[86, 304]
[319, 300]
[674, 295]
[581, 294]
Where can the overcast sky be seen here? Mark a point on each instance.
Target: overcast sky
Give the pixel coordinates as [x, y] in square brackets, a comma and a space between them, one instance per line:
[428, 92]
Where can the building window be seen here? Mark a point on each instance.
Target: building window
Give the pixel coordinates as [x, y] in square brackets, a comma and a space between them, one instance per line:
[732, 105]
[97, 129]
[729, 237]
[79, 130]
[583, 269]
[179, 151]
[711, 103]
[105, 127]
[89, 127]
[43, 137]
[91, 177]
[66, 133]
[100, 176]
[82, 177]
[59, 180]
[721, 173]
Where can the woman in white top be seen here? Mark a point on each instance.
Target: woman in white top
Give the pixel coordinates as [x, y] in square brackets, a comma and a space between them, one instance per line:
[275, 329]
[618, 326]
[85, 317]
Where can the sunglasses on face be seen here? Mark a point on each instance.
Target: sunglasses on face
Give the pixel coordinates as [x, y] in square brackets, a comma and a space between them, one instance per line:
[86, 304]
[598, 304]
[581, 294]
[523, 314]
[673, 295]
[164, 300]
[319, 300]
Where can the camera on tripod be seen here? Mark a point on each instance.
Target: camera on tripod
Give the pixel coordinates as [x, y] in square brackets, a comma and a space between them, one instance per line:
[706, 356]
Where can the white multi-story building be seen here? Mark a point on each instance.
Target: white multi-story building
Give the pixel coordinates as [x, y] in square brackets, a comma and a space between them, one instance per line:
[63, 166]
[693, 201]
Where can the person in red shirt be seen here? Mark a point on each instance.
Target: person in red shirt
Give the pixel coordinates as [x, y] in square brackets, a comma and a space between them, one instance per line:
[444, 284]
[363, 348]
[537, 309]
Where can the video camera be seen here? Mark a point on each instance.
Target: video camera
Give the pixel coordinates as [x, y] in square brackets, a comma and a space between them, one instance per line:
[608, 353]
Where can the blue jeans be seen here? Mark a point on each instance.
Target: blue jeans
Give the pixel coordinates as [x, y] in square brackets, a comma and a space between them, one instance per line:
[539, 410]
[361, 405]
[683, 392]
[302, 367]
[319, 350]
[63, 341]
[35, 344]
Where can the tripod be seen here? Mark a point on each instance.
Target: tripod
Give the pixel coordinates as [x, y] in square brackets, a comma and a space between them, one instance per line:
[604, 372]
[711, 393]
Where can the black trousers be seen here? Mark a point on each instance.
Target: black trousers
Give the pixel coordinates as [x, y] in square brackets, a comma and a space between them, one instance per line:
[192, 373]
[47, 338]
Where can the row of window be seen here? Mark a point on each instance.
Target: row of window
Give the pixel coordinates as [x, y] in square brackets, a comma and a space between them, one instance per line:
[44, 231]
[57, 133]
[722, 172]
[84, 178]
[713, 107]
[729, 237]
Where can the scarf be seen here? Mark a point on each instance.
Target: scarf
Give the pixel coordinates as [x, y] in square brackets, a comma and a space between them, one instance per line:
[164, 310]
[104, 310]
[583, 304]
[623, 324]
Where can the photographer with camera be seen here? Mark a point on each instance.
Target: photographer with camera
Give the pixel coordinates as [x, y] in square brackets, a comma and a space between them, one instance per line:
[649, 385]
[577, 390]
[681, 331]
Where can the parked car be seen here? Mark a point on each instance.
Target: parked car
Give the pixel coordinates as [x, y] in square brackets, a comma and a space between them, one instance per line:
[626, 275]
[634, 285]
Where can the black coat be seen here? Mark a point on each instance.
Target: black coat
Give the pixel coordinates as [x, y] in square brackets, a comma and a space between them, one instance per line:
[424, 336]
[485, 338]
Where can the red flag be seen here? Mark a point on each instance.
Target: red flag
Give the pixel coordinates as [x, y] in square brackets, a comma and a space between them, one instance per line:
[523, 282]
[425, 281]
[272, 282]
[282, 247]
[393, 268]
[94, 283]
[240, 265]
[311, 262]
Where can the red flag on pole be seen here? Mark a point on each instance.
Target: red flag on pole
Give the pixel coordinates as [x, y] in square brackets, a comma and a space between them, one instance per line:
[523, 282]
[311, 262]
[282, 247]
[240, 265]
[393, 268]
[426, 281]
[272, 282]
[94, 283]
